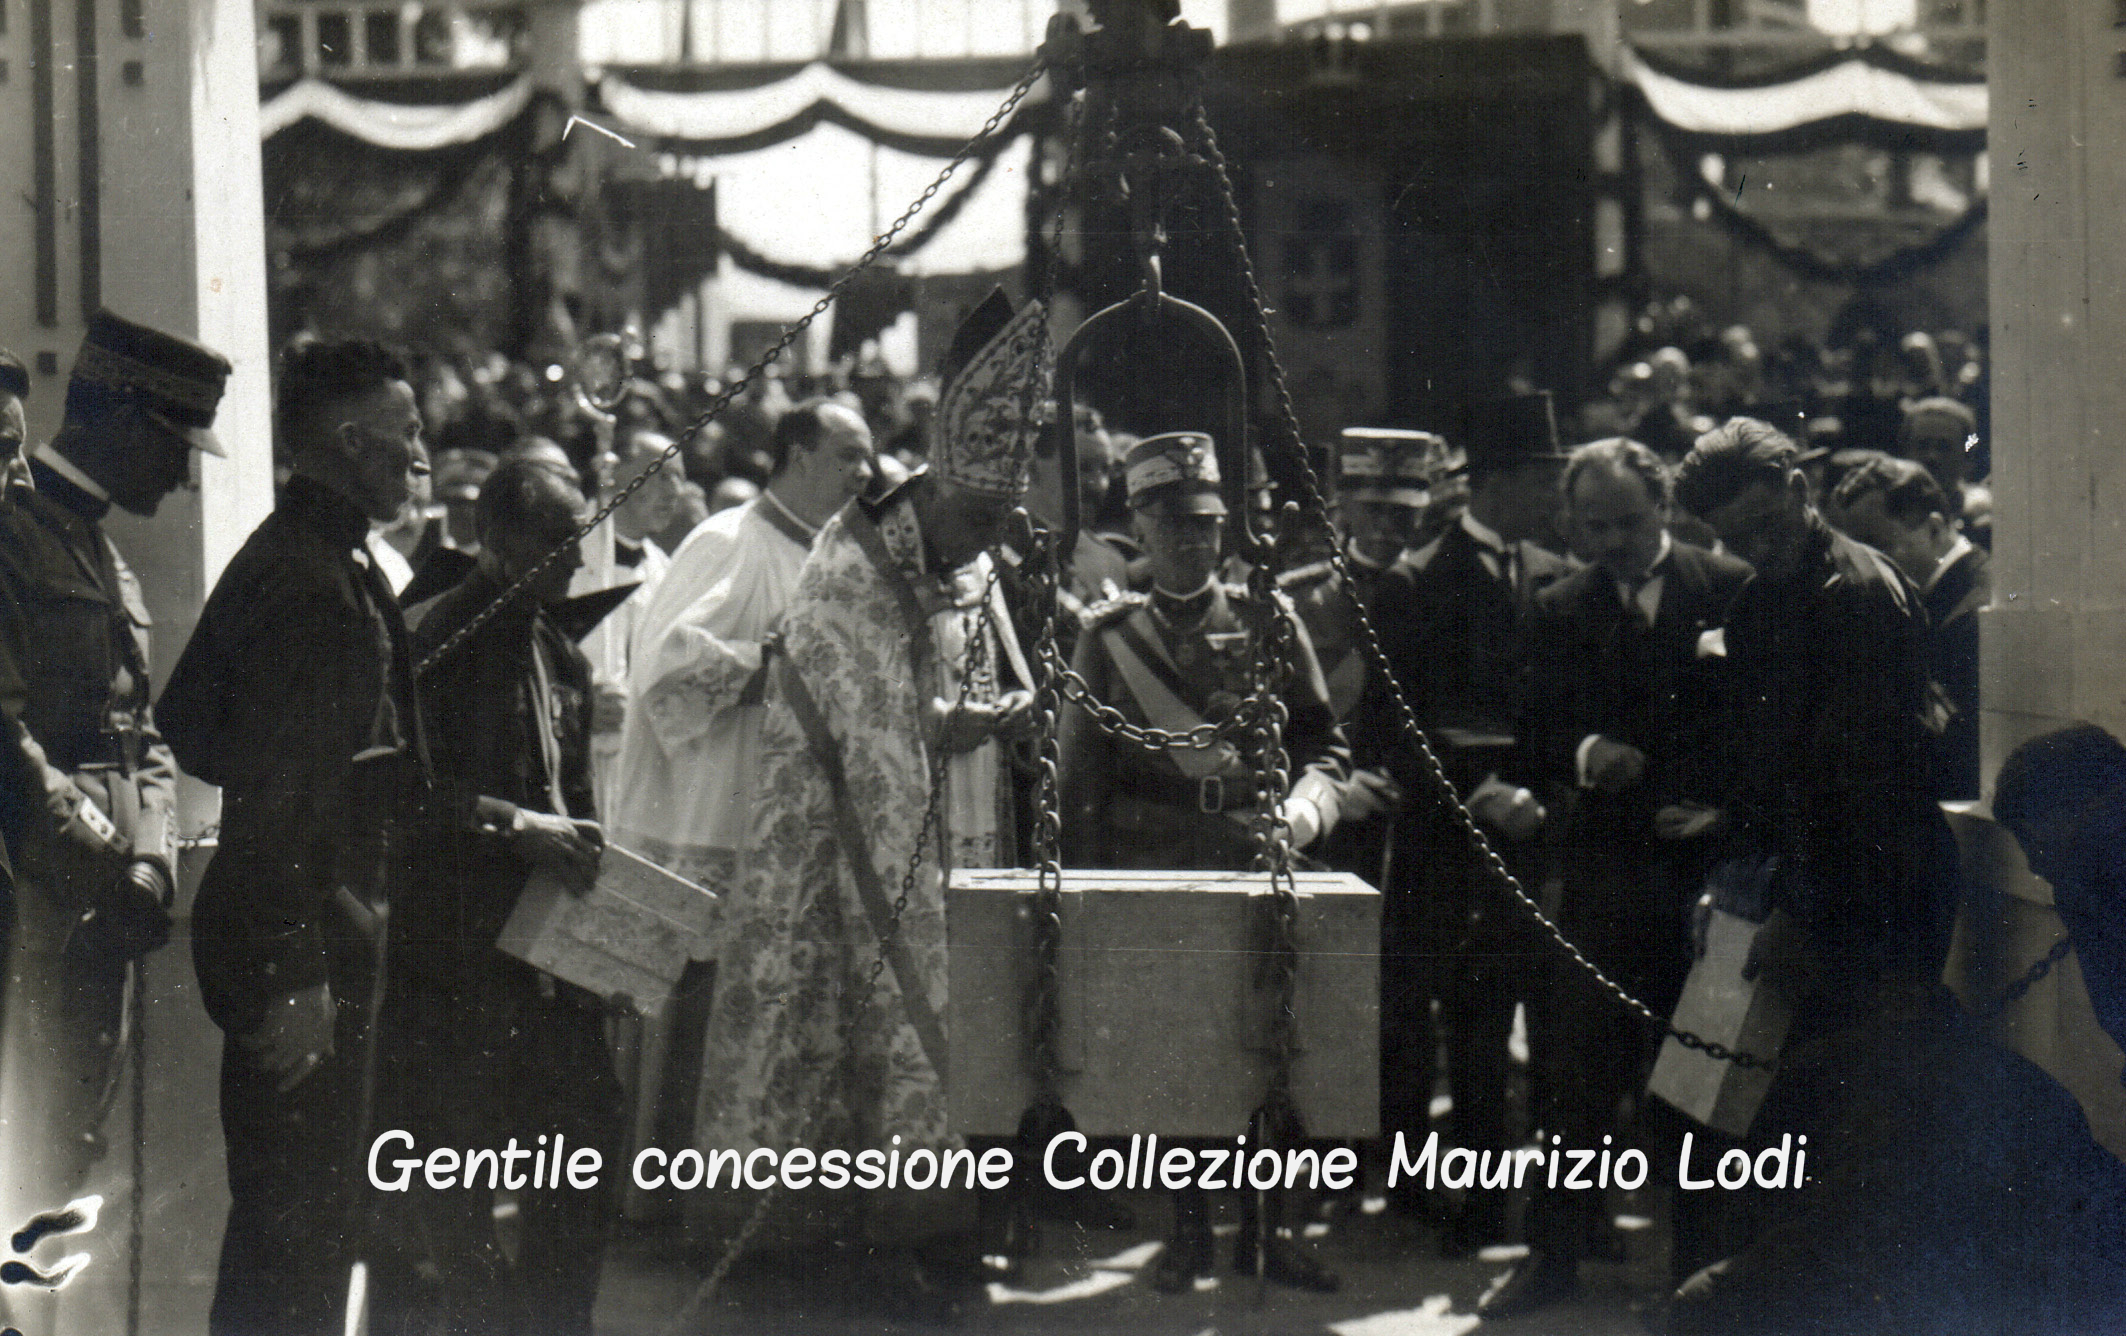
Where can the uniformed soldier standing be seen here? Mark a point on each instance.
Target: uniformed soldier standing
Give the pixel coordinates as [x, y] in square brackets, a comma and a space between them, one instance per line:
[88, 784]
[1384, 478]
[1173, 659]
[1452, 615]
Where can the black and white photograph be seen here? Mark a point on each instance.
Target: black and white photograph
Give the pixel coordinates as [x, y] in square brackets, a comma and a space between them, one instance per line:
[1062, 667]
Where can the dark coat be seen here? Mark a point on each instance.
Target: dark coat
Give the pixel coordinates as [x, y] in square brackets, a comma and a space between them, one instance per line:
[1952, 655]
[1455, 629]
[300, 665]
[1594, 670]
[490, 760]
[1828, 754]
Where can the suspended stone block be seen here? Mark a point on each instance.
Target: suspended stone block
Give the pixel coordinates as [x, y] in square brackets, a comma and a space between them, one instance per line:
[1166, 1001]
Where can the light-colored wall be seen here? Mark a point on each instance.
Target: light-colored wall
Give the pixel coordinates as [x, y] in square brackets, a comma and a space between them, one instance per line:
[2055, 639]
[183, 248]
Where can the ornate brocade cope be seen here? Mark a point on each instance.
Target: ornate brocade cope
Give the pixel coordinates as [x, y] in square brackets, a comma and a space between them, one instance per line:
[798, 941]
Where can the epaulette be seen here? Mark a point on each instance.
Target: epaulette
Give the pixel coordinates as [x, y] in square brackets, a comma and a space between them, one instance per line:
[1307, 576]
[1107, 611]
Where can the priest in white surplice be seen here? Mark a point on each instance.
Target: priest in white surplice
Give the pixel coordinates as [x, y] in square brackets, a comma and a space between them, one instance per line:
[618, 552]
[682, 789]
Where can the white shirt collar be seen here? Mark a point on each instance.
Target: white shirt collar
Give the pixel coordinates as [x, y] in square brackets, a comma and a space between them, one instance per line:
[1198, 592]
[1956, 553]
[64, 467]
[1483, 533]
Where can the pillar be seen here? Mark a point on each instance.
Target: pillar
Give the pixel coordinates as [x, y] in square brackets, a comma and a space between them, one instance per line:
[2055, 638]
[2054, 641]
[129, 132]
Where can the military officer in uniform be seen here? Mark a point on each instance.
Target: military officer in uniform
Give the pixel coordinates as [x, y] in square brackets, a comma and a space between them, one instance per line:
[1452, 615]
[88, 784]
[1384, 477]
[1172, 659]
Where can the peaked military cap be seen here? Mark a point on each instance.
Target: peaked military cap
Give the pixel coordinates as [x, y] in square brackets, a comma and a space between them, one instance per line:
[1178, 468]
[176, 379]
[1394, 464]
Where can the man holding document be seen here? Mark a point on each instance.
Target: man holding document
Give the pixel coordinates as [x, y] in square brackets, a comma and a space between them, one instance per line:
[493, 1049]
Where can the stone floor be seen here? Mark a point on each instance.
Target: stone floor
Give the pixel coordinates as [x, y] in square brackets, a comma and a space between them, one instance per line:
[1096, 1281]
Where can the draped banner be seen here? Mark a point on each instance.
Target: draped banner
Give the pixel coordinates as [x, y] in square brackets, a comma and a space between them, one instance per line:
[1870, 96]
[392, 125]
[935, 123]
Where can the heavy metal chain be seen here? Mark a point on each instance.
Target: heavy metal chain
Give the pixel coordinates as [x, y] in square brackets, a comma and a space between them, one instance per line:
[1044, 1019]
[731, 392]
[1369, 639]
[1269, 668]
[2031, 977]
[1114, 723]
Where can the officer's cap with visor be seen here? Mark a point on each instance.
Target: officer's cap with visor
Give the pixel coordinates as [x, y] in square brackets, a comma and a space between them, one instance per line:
[1396, 465]
[178, 382]
[1174, 473]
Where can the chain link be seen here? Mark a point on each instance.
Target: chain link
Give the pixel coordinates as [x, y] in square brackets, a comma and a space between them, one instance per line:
[2031, 977]
[730, 392]
[1369, 638]
[1075, 689]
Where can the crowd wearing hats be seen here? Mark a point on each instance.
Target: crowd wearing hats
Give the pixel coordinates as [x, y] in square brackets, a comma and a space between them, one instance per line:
[1726, 641]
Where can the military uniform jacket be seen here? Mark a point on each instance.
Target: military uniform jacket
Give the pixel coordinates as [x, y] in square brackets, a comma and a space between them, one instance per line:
[74, 697]
[1169, 664]
[299, 666]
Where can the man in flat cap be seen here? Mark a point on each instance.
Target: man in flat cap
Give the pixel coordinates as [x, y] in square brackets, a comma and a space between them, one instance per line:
[1173, 659]
[88, 785]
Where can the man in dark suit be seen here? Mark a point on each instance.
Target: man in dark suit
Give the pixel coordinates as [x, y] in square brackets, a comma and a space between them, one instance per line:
[1452, 617]
[1830, 798]
[1897, 506]
[295, 695]
[1621, 709]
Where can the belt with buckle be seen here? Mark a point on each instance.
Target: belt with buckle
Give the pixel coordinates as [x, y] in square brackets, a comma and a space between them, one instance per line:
[1212, 794]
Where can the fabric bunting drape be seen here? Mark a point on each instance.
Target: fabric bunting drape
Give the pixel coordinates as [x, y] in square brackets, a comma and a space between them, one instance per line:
[392, 125]
[1867, 96]
[930, 122]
